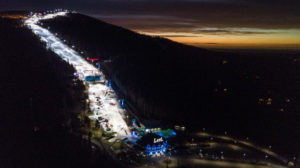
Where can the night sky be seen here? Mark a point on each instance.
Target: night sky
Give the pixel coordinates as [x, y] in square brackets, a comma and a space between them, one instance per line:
[208, 23]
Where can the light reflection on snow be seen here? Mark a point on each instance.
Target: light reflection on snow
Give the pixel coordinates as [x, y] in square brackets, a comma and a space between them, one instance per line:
[103, 100]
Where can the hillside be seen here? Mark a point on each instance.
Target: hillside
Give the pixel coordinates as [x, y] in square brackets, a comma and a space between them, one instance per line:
[179, 84]
[39, 105]
[253, 94]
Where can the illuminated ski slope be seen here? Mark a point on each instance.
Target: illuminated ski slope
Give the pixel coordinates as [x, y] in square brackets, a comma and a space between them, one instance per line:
[103, 100]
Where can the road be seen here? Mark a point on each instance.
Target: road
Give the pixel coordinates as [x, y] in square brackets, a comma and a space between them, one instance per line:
[268, 152]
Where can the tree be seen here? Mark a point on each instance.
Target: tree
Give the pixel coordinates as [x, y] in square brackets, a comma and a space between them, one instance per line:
[87, 121]
[97, 124]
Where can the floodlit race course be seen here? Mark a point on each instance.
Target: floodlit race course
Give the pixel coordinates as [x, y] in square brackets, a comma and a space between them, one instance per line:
[103, 100]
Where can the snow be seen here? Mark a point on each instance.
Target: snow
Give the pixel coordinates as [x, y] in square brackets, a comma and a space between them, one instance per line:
[103, 100]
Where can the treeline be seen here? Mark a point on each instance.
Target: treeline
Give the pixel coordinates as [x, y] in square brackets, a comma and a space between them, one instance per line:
[39, 103]
[188, 85]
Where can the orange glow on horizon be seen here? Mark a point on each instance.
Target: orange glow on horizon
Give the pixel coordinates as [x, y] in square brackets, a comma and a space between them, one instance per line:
[285, 40]
[12, 16]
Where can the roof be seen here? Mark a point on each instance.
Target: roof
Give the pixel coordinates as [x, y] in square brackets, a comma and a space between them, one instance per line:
[151, 139]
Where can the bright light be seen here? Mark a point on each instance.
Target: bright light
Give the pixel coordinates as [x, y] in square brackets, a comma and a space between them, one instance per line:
[103, 100]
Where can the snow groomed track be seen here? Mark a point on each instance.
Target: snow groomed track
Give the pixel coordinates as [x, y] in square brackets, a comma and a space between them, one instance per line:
[103, 100]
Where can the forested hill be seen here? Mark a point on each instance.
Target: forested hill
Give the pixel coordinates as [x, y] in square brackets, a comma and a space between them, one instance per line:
[254, 95]
[148, 70]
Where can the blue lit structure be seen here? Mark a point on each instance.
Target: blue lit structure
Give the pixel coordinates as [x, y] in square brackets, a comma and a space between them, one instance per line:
[92, 78]
[109, 83]
[165, 133]
[98, 65]
[134, 134]
[153, 144]
[122, 103]
[133, 122]
[156, 149]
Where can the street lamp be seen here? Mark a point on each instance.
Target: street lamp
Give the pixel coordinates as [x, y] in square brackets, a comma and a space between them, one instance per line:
[244, 155]
[266, 157]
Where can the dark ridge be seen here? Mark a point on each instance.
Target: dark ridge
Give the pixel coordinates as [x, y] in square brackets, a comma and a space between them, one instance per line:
[180, 84]
[17, 12]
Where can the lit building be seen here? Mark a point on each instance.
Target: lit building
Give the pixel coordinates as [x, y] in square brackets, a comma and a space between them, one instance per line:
[153, 144]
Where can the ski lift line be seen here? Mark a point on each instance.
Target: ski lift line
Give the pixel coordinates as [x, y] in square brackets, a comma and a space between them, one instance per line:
[110, 107]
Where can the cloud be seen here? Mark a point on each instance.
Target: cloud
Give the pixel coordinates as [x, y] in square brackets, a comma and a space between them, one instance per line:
[208, 13]
[182, 15]
[234, 31]
[209, 43]
[180, 35]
